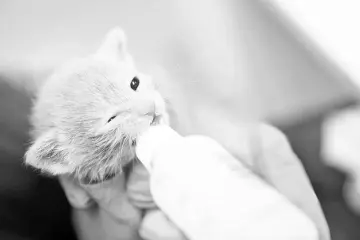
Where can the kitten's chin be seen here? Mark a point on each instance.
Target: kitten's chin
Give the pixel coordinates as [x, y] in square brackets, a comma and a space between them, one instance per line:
[157, 120]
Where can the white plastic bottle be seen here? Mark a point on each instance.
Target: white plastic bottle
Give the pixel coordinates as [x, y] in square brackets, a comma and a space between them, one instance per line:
[210, 195]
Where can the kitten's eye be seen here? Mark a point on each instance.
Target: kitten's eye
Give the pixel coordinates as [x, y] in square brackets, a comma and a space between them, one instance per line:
[112, 118]
[134, 83]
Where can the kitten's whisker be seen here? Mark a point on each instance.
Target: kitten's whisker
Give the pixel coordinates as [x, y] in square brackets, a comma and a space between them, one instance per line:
[122, 146]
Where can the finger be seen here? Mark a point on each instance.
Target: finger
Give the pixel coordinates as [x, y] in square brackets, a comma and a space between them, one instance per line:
[279, 166]
[156, 226]
[138, 187]
[76, 195]
[111, 196]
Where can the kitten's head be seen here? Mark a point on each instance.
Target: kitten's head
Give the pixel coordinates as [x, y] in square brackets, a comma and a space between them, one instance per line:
[88, 114]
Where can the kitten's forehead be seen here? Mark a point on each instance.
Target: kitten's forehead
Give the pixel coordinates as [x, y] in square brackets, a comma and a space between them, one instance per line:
[89, 70]
[95, 78]
[84, 90]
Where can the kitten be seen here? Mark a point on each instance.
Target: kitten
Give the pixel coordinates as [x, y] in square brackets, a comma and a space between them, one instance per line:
[87, 116]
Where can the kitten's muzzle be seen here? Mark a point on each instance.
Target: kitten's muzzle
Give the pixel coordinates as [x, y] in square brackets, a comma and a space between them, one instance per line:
[156, 119]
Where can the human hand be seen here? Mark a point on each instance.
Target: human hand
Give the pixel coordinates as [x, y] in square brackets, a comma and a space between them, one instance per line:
[115, 208]
[278, 165]
[103, 210]
[155, 224]
[271, 158]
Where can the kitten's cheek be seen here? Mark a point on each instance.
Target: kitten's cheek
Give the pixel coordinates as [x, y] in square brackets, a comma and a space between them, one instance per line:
[138, 126]
[159, 104]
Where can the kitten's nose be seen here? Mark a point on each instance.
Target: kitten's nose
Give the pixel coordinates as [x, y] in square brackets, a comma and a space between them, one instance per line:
[146, 108]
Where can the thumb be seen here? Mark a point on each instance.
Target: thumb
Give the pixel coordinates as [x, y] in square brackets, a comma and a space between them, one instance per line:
[111, 196]
[156, 226]
[138, 187]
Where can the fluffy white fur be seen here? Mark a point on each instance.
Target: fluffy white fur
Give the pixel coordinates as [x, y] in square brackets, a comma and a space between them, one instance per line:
[70, 116]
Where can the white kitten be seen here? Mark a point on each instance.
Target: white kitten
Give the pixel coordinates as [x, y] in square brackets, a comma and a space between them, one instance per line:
[88, 114]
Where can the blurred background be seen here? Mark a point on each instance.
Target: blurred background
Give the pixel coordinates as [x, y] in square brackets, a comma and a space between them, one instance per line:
[232, 59]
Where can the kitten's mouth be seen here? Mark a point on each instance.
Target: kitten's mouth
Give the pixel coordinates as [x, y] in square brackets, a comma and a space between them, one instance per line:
[156, 120]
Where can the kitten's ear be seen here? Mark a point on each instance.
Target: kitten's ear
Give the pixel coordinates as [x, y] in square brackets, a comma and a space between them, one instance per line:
[47, 155]
[114, 46]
